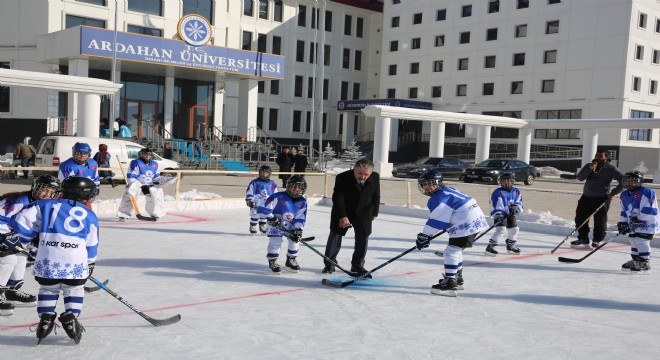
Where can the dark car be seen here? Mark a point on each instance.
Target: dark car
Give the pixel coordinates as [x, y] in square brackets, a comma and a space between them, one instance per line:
[449, 167]
[490, 171]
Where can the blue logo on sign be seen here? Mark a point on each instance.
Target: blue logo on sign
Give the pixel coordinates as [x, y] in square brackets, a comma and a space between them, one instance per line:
[195, 30]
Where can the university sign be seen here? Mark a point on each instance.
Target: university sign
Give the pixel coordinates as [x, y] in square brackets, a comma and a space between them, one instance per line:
[161, 51]
[357, 105]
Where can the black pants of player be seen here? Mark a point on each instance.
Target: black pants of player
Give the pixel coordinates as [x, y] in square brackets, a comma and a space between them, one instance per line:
[333, 246]
[586, 206]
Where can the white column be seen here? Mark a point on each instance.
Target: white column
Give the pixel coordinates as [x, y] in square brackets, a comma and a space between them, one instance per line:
[247, 108]
[168, 116]
[344, 130]
[382, 147]
[219, 101]
[483, 143]
[524, 144]
[77, 67]
[394, 134]
[88, 114]
[437, 139]
[589, 144]
[656, 174]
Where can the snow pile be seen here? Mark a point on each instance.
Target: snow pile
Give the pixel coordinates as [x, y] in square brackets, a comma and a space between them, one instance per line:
[546, 218]
[549, 171]
[194, 195]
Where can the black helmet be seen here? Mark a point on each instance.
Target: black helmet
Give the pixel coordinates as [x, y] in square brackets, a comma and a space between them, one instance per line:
[633, 179]
[45, 181]
[507, 176]
[78, 188]
[264, 172]
[146, 154]
[430, 177]
[296, 181]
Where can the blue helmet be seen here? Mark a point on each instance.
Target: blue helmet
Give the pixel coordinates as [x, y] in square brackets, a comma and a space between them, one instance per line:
[81, 148]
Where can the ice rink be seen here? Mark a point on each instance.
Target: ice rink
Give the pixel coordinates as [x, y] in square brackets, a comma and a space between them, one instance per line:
[206, 267]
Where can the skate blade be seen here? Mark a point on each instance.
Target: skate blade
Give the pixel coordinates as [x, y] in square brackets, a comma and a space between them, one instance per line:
[489, 254]
[645, 272]
[439, 253]
[581, 247]
[448, 293]
[513, 252]
[291, 270]
[460, 287]
[6, 312]
[24, 305]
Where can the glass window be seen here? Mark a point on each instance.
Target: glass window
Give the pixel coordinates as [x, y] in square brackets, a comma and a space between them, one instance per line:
[315, 13]
[641, 22]
[394, 46]
[297, 121]
[414, 68]
[550, 56]
[657, 25]
[463, 64]
[274, 87]
[72, 21]
[653, 87]
[488, 89]
[328, 20]
[417, 18]
[491, 34]
[464, 38]
[519, 59]
[416, 43]
[522, 4]
[300, 51]
[344, 90]
[302, 15]
[277, 10]
[310, 87]
[261, 87]
[260, 117]
[489, 61]
[550, 2]
[436, 91]
[348, 24]
[144, 30]
[521, 31]
[262, 42]
[346, 59]
[493, 6]
[552, 27]
[359, 27]
[356, 91]
[395, 22]
[640, 134]
[247, 40]
[308, 121]
[199, 7]
[461, 90]
[639, 52]
[391, 70]
[277, 45]
[466, 11]
[655, 59]
[94, 2]
[558, 133]
[298, 86]
[263, 10]
[313, 48]
[153, 7]
[412, 93]
[391, 93]
[4, 91]
[637, 83]
[357, 61]
[441, 15]
[272, 119]
[326, 55]
[437, 66]
[516, 87]
[547, 86]
[439, 40]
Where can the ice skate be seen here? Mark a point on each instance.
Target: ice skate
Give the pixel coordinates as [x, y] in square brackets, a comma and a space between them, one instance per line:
[641, 267]
[328, 269]
[360, 271]
[580, 244]
[291, 264]
[511, 248]
[595, 244]
[6, 308]
[46, 324]
[628, 264]
[262, 227]
[20, 299]
[490, 250]
[253, 228]
[71, 326]
[446, 287]
[274, 266]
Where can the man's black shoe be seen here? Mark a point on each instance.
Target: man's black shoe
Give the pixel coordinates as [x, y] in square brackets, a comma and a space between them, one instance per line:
[361, 271]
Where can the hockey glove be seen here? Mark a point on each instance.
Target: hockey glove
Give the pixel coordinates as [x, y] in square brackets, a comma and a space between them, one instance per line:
[634, 221]
[296, 235]
[498, 218]
[274, 221]
[31, 258]
[514, 209]
[623, 228]
[250, 203]
[9, 241]
[423, 241]
[91, 269]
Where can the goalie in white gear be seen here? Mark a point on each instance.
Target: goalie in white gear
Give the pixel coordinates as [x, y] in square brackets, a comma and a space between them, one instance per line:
[143, 175]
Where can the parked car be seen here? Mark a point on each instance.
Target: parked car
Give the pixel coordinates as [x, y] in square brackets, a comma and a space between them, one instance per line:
[490, 171]
[449, 167]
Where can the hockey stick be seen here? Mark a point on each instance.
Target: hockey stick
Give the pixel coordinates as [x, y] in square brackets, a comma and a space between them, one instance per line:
[154, 322]
[577, 228]
[575, 261]
[332, 262]
[343, 284]
[441, 254]
[133, 201]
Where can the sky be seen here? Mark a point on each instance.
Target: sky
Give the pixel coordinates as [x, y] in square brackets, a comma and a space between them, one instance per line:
[206, 267]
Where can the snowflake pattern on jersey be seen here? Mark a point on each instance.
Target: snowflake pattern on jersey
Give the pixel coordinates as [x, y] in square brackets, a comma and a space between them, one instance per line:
[469, 227]
[55, 270]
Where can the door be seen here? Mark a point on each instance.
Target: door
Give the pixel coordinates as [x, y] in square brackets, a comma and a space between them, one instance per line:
[142, 118]
[199, 123]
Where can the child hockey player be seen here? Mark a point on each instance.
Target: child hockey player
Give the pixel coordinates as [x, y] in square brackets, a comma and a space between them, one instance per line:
[102, 157]
[640, 220]
[80, 164]
[143, 172]
[457, 213]
[506, 204]
[68, 241]
[12, 261]
[287, 210]
[256, 194]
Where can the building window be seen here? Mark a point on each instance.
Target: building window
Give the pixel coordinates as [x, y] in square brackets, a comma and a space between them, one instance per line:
[326, 55]
[550, 2]
[656, 57]
[641, 22]
[277, 10]
[464, 38]
[416, 43]
[4, 91]
[414, 68]
[297, 121]
[395, 22]
[493, 6]
[272, 119]
[152, 7]
[441, 15]
[348, 24]
[302, 15]
[391, 70]
[437, 66]
[357, 61]
[463, 64]
[558, 133]
[73, 21]
[199, 7]
[550, 56]
[247, 41]
[412, 93]
[274, 87]
[552, 27]
[313, 48]
[519, 59]
[640, 134]
[359, 27]
[491, 34]
[262, 42]
[346, 59]
[417, 18]
[94, 2]
[326, 88]
[144, 30]
[248, 8]
[489, 62]
[439, 40]
[436, 91]
[261, 87]
[344, 90]
[263, 10]
[521, 31]
[315, 14]
[300, 51]
[391, 93]
[639, 52]
[277, 45]
[522, 4]
[260, 117]
[310, 87]
[394, 46]
[356, 124]
[466, 11]
[461, 90]
[547, 86]
[356, 91]
[653, 87]
[657, 25]
[328, 21]
[298, 86]
[488, 89]
[637, 83]
[516, 87]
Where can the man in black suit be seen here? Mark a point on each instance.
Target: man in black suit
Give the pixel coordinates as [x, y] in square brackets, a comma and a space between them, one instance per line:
[285, 161]
[355, 203]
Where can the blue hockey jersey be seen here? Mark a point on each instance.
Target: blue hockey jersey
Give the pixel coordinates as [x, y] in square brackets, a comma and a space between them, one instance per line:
[640, 203]
[72, 168]
[292, 213]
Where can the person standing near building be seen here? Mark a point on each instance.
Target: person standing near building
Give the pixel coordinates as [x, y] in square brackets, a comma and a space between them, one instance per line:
[24, 153]
[285, 161]
[299, 161]
[598, 176]
[355, 203]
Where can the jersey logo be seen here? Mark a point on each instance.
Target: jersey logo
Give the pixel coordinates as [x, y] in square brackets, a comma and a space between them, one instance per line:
[288, 216]
[637, 197]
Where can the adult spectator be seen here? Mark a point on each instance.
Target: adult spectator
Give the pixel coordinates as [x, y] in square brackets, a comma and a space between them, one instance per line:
[24, 153]
[285, 161]
[355, 203]
[598, 176]
[299, 161]
[167, 151]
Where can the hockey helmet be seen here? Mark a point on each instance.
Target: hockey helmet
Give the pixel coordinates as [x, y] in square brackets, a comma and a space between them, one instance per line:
[146, 155]
[103, 147]
[78, 188]
[633, 179]
[264, 172]
[81, 152]
[45, 187]
[430, 182]
[296, 186]
[507, 180]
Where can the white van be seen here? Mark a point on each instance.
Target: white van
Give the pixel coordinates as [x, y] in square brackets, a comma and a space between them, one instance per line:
[53, 150]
